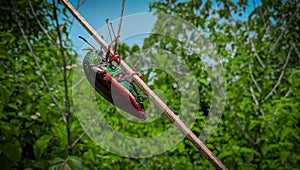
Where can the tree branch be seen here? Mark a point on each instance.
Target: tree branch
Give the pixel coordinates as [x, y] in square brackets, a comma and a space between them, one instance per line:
[35, 60]
[256, 101]
[253, 79]
[253, 46]
[67, 104]
[285, 96]
[280, 77]
[17, 78]
[78, 82]
[79, 4]
[88, 128]
[283, 31]
[239, 124]
[296, 49]
[57, 83]
[39, 23]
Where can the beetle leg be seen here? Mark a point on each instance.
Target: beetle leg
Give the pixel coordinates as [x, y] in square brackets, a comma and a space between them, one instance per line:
[116, 57]
[141, 76]
[121, 77]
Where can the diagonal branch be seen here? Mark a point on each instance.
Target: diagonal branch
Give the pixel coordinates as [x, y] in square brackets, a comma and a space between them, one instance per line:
[17, 78]
[256, 101]
[267, 27]
[36, 61]
[79, 4]
[283, 31]
[39, 23]
[296, 49]
[78, 82]
[280, 77]
[239, 124]
[285, 96]
[253, 46]
[90, 126]
[253, 79]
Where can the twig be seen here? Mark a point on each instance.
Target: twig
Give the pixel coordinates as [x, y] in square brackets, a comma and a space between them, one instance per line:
[78, 82]
[253, 79]
[36, 61]
[67, 104]
[17, 78]
[239, 124]
[296, 49]
[256, 101]
[38, 21]
[88, 128]
[285, 96]
[152, 96]
[280, 77]
[57, 82]
[120, 24]
[46, 8]
[79, 4]
[121, 17]
[283, 31]
[265, 23]
[253, 46]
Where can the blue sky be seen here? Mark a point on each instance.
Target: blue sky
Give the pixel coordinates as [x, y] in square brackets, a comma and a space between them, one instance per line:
[95, 12]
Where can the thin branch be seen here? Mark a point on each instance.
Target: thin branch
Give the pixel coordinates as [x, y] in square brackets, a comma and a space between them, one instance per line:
[253, 79]
[239, 124]
[79, 4]
[89, 127]
[120, 24]
[296, 49]
[57, 82]
[267, 27]
[253, 46]
[285, 96]
[78, 82]
[243, 129]
[17, 78]
[36, 61]
[280, 77]
[46, 8]
[67, 104]
[283, 31]
[256, 101]
[39, 23]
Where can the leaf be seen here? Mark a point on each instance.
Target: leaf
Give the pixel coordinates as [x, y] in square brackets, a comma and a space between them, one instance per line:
[285, 132]
[225, 154]
[284, 155]
[249, 150]
[74, 163]
[268, 148]
[40, 145]
[12, 150]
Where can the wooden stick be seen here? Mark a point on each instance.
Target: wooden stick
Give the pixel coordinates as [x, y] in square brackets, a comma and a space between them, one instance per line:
[152, 96]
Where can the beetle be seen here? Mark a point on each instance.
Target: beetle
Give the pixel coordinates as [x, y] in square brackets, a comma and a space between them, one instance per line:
[111, 83]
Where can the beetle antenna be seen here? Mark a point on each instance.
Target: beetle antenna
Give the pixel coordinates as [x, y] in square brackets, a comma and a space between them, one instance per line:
[120, 24]
[108, 29]
[112, 28]
[87, 42]
[101, 48]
